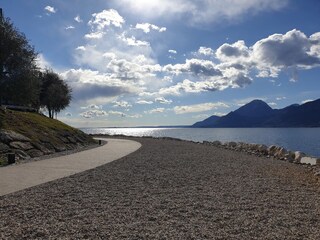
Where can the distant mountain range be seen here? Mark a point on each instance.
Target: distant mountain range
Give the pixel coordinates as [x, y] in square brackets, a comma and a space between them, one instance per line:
[259, 114]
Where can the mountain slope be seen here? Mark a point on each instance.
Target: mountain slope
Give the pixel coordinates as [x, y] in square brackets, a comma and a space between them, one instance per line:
[259, 114]
[207, 122]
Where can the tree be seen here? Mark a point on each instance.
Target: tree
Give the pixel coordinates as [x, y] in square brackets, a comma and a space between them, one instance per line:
[55, 93]
[18, 70]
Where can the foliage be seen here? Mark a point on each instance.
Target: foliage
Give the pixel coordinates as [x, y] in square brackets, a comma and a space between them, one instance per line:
[18, 71]
[21, 82]
[55, 93]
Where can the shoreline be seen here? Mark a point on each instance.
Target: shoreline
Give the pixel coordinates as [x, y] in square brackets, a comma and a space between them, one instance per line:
[272, 151]
[171, 189]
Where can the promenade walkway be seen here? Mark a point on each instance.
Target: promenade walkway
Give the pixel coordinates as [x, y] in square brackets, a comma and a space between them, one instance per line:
[17, 177]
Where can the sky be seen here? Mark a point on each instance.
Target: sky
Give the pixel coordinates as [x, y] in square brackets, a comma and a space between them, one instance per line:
[173, 62]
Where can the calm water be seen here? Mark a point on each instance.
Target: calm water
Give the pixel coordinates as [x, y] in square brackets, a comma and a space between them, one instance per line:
[302, 139]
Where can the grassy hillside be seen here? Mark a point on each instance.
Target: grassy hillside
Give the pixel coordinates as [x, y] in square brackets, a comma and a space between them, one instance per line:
[45, 135]
[35, 126]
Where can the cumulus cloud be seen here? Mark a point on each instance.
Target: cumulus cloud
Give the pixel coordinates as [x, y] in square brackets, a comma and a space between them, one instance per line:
[228, 52]
[94, 35]
[132, 41]
[202, 107]
[50, 9]
[194, 66]
[206, 51]
[92, 106]
[155, 110]
[78, 19]
[162, 100]
[122, 104]
[69, 27]
[144, 102]
[42, 62]
[106, 18]
[93, 113]
[201, 11]
[89, 85]
[172, 51]
[280, 98]
[279, 51]
[147, 27]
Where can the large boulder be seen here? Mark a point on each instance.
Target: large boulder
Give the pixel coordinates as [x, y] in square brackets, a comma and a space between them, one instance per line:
[298, 155]
[21, 145]
[309, 160]
[7, 136]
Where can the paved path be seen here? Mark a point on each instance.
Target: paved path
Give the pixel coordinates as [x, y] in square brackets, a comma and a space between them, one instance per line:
[17, 177]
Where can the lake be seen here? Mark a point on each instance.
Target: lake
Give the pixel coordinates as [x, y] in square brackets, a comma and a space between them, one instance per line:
[296, 139]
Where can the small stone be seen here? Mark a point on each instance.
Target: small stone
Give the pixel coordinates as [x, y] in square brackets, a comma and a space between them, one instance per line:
[317, 173]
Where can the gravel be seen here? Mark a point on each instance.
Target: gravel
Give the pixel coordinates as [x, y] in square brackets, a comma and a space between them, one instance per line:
[171, 189]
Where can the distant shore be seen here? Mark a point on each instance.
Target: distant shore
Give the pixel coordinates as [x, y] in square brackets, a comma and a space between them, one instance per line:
[171, 189]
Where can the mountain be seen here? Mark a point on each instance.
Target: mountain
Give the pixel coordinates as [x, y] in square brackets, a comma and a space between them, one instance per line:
[259, 114]
[207, 122]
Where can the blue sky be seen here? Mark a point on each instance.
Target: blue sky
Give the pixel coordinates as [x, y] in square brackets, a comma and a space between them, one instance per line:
[173, 62]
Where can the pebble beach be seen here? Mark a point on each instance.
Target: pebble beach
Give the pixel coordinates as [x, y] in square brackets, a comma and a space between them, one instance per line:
[171, 189]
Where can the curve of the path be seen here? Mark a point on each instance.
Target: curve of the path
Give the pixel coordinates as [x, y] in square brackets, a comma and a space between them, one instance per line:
[17, 177]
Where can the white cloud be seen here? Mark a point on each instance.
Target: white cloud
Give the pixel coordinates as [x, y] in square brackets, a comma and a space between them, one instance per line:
[162, 100]
[280, 98]
[155, 110]
[306, 101]
[106, 18]
[132, 41]
[147, 27]
[144, 102]
[194, 66]
[201, 11]
[81, 48]
[227, 52]
[93, 113]
[42, 62]
[68, 114]
[69, 27]
[94, 35]
[78, 19]
[50, 9]
[92, 107]
[202, 107]
[205, 51]
[122, 104]
[172, 51]
[90, 85]
[273, 104]
[281, 51]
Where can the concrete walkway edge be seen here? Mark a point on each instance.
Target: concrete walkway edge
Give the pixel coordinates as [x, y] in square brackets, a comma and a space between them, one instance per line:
[17, 177]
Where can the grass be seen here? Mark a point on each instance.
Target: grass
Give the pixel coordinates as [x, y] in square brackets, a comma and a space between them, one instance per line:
[36, 126]
[3, 161]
